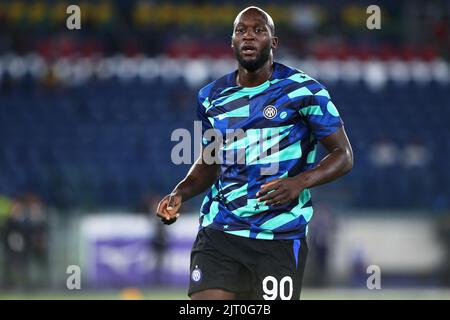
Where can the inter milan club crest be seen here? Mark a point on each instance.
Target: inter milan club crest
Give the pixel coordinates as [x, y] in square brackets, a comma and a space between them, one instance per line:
[196, 274]
[270, 112]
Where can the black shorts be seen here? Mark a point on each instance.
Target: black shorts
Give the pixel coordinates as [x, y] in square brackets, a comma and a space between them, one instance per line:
[251, 268]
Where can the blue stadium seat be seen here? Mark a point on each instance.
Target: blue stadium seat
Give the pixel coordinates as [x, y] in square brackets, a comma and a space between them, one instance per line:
[105, 143]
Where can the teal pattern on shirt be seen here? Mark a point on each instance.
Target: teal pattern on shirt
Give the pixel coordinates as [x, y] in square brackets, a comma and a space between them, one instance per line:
[283, 119]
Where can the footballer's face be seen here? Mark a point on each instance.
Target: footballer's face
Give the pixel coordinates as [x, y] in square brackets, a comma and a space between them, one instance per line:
[252, 40]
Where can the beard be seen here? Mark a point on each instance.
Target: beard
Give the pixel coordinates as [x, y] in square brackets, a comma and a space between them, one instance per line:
[255, 63]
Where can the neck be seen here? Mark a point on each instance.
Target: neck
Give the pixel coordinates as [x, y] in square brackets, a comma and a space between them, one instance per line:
[246, 78]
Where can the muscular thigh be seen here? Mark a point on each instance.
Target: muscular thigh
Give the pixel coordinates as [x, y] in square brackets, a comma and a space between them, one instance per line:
[213, 294]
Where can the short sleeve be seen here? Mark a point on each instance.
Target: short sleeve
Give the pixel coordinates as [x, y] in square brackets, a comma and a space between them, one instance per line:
[202, 104]
[321, 114]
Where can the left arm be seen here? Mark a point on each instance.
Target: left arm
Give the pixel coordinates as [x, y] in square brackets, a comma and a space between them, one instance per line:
[335, 164]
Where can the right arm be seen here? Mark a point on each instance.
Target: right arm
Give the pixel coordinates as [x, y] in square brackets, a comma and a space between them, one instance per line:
[200, 177]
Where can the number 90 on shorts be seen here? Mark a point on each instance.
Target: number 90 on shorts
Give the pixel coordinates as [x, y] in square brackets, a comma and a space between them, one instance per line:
[274, 289]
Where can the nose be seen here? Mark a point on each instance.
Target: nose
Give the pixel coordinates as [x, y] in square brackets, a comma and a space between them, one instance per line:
[249, 34]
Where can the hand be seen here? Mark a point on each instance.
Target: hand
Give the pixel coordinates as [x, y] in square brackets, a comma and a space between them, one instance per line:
[283, 191]
[168, 208]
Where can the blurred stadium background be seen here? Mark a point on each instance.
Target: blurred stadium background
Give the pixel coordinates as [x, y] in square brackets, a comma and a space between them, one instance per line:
[86, 118]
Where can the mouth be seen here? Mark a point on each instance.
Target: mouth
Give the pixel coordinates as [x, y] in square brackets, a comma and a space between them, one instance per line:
[248, 50]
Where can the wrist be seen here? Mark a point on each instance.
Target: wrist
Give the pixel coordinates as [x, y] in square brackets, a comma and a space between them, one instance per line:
[178, 192]
[301, 181]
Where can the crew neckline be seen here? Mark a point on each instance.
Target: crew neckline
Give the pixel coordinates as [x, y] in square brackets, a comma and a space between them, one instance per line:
[258, 87]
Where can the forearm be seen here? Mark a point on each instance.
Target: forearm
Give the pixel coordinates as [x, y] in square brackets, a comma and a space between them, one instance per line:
[336, 164]
[200, 177]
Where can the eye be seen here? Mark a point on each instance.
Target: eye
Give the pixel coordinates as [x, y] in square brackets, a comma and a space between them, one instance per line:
[239, 30]
[260, 29]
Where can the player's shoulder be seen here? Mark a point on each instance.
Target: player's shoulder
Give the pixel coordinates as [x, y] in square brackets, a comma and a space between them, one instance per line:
[292, 78]
[216, 87]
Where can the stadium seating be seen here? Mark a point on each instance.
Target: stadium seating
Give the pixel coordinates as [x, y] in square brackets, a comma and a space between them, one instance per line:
[105, 143]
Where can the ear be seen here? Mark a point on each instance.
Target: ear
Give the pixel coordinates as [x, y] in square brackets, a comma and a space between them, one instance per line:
[274, 42]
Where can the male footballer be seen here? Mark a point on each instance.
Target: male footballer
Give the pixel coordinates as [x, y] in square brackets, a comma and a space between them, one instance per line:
[251, 242]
